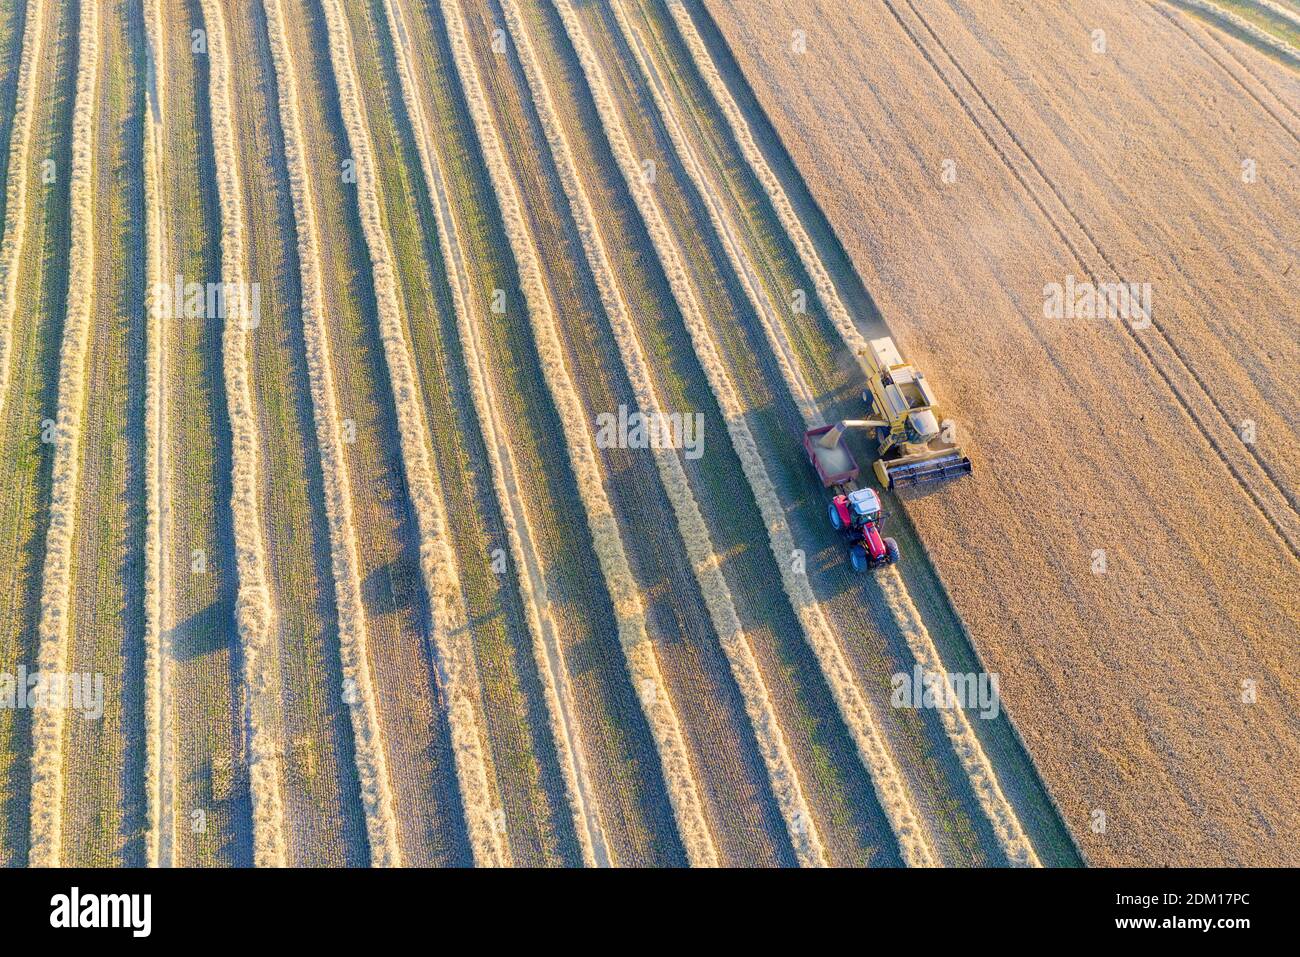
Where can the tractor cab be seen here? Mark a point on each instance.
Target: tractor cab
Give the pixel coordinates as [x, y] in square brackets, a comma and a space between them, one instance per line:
[865, 504]
[855, 509]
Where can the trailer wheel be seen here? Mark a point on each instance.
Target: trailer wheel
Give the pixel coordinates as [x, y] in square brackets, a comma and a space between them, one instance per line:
[891, 551]
[858, 558]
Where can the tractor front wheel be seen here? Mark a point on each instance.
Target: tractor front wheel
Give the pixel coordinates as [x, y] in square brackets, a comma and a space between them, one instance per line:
[891, 551]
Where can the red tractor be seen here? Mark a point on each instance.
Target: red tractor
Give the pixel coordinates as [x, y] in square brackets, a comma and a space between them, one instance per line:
[858, 516]
[855, 513]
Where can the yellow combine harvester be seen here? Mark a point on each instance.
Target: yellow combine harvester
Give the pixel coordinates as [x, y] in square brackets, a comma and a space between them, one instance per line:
[913, 445]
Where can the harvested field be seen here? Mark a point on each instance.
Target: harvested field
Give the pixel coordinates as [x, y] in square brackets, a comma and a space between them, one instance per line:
[420, 756]
[875, 753]
[255, 606]
[372, 764]
[542, 291]
[54, 634]
[401, 408]
[841, 809]
[20, 66]
[551, 691]
[695, 535]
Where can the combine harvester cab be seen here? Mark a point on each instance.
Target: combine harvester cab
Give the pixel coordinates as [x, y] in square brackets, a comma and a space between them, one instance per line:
[914, 447]
[856, 513]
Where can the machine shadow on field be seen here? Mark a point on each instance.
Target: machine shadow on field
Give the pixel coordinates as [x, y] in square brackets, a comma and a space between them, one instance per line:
[227, 787]
[392, 587]
[203, 633]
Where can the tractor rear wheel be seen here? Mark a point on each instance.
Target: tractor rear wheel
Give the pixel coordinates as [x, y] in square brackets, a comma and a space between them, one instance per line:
[836, 522]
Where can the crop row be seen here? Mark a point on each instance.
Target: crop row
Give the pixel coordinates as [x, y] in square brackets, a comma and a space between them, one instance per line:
[371, 761]
[15, 222]
[691, 526]
[547, 654]
[254, 614]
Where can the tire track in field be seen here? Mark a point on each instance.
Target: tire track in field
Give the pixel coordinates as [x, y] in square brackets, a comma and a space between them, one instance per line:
[694, 533]
[1287, 527]
[254, 612]
[547, 649]
[890, 789]
[449, 628]
[15, 222]
[642, 666]
[907, 619]
[1173, 17]
[371, 760]
[160, 785]
[52, 634]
